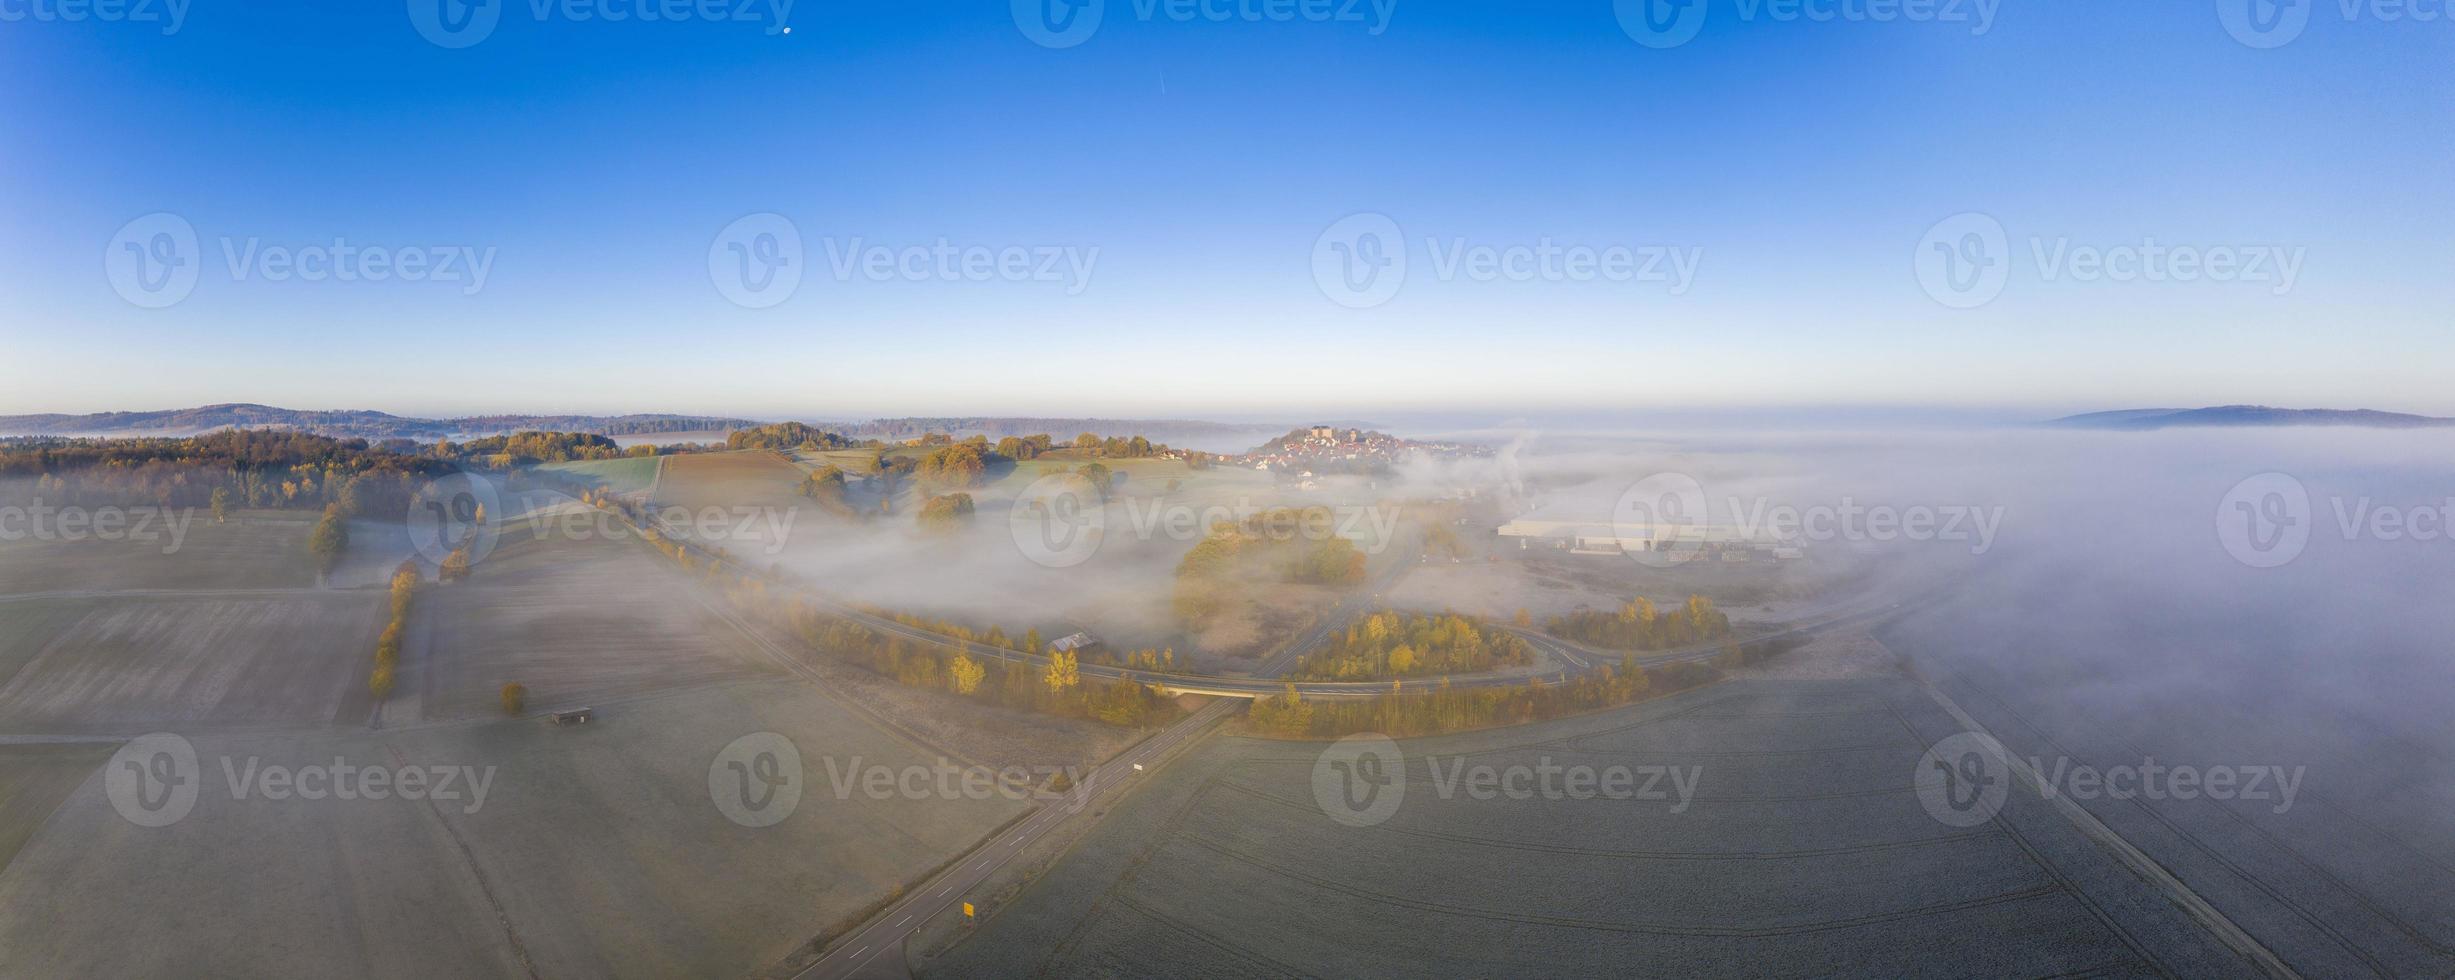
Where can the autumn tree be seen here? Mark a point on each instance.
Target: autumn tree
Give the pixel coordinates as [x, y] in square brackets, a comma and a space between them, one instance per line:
[329, 541]
[1062, 672]
[515, 698]
[965, 673]
[946, 514]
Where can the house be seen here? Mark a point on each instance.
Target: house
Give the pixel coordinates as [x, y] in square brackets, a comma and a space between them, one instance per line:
[1072, 642]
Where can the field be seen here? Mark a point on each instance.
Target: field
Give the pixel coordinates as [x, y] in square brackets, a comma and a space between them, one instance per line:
[1803, 853]
[760, 485]
[575, 621]
[256, 549]
[2355, 876]
[597, 853]
[130, 665]
[627, 475]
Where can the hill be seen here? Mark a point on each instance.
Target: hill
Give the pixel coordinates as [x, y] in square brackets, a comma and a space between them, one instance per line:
[348, 423]
[2244, 416]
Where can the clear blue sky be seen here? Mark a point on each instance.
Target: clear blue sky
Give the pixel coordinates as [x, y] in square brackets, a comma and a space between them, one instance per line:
[1204, 159]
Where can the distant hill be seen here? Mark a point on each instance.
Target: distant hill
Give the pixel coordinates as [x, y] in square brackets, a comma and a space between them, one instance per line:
[1187, 433]
[2246, 415]
[348, 424]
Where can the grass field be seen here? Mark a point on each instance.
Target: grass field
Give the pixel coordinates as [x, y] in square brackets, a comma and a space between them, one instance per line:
[1803, 853]
[627, 475]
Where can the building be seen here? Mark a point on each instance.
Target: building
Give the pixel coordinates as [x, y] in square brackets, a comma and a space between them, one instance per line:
[1072, 642]
[1324, 433]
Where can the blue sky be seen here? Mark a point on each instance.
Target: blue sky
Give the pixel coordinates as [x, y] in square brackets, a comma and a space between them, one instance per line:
[1802, 166]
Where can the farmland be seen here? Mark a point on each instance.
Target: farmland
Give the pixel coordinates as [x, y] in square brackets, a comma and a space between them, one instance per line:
[573, 620]
[1803, 852]
[211, 661]
[255, 549]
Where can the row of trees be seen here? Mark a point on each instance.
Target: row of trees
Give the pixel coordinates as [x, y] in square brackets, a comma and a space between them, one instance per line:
[1389, 644]
[388, 646]
[1443, 708]
[1638, 625]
